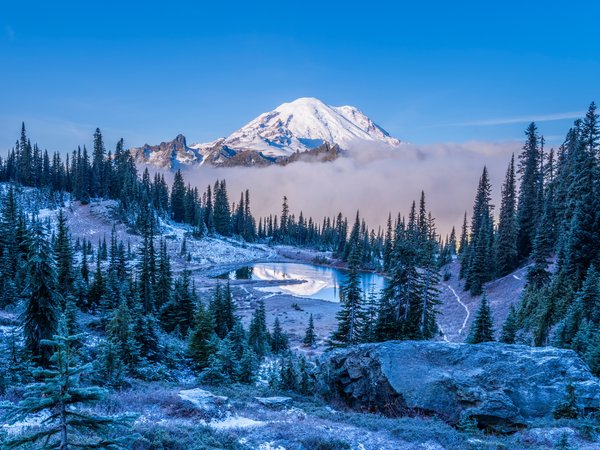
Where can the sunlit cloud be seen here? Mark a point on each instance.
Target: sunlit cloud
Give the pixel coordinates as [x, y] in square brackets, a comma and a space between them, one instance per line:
[515, 120]
[374, 180]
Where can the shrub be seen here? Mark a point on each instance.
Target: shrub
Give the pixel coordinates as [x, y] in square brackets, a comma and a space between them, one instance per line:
[567, 409]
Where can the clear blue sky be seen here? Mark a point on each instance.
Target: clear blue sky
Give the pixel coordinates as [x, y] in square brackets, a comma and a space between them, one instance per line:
[426, 71]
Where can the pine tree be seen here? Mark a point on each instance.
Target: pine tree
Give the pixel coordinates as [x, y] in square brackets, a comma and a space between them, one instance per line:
[42, 297]
[222, 213]
[350, 315]
[178, 198]
[98, 178]
[58, 392]
[178, 314]
[310, 337]
[477, 264]
[507, 255]
[510, 327]
[222, 365]
[529, 208]
[396, 318]
[121, 336]
[482, 327]
[201, 342]
[258, 335]
[279, 340]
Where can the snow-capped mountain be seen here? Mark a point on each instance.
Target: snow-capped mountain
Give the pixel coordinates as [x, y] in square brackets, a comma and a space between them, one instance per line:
[306, 125]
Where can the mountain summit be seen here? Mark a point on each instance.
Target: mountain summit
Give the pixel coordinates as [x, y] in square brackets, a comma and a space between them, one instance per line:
[305, 125]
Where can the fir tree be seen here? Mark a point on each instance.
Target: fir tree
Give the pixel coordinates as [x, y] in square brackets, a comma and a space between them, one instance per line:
[258, 335]
[59, 393]
[42, 297]
[222, 213]
[482, 327]
[279, 340]
[510, 327]
[201, 344]
[507, 255]
[350, 315]
[178, 197]
[529, 208]
[310, 337]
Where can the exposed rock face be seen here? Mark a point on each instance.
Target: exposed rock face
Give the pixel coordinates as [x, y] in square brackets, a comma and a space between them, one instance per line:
[175, 153]
[167, 154]
[502, 386]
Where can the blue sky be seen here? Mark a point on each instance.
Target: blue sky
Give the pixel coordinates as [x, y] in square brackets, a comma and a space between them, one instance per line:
[428, 72]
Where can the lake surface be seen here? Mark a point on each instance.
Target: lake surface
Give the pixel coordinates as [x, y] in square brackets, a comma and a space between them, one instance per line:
[319, 282]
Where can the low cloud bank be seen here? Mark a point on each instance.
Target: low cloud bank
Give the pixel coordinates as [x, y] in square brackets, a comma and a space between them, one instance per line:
[373, 180]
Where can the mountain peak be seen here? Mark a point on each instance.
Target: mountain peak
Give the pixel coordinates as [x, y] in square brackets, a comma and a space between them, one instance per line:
[299, 126]
[306, 123]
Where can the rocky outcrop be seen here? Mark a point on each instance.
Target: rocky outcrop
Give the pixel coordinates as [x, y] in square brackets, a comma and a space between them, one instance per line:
[167, 154]
[502, 386]
[208, 403]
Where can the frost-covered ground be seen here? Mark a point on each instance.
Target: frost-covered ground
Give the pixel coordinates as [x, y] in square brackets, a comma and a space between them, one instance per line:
[242, 422]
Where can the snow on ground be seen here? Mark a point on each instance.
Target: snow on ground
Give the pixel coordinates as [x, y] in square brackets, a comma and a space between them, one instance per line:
[270, 446]
[236, 422]
[95, 222]
[33, 420]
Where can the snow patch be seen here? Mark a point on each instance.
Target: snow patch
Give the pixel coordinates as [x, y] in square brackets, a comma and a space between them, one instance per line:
[34, 420]
[236, 422]
[270, 446]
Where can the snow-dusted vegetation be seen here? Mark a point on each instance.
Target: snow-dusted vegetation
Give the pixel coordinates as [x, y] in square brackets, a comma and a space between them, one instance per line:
[139, 315]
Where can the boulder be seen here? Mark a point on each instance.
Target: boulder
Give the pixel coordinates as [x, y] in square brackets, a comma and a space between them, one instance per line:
[274, 402]
[207, 402]
[503, 387]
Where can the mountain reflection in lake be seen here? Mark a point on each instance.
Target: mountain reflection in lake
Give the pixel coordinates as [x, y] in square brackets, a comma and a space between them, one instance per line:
[319, 282]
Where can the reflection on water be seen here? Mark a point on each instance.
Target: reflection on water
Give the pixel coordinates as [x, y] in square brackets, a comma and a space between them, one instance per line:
[319, 282]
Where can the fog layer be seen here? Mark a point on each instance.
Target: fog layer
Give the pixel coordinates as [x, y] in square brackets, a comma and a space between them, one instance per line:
[373, 180]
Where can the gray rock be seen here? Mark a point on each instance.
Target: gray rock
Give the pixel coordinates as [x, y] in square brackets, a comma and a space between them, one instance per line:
[205, 401]
[502, 386]
[274, 402]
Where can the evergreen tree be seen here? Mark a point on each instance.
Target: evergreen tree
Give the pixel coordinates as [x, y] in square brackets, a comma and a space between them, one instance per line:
[279, 340]
[350, 315]
[507, 255]
[222, 213]
[258, 335]
[529, 208]
[310, 337]
[510, 327]
[478, 262]
[98, 181]
[121, 336]
[222, 365]
[482, 327]
[178, 198]
[41, 295]
[178, 314]
[201, 344]
[58, 392]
